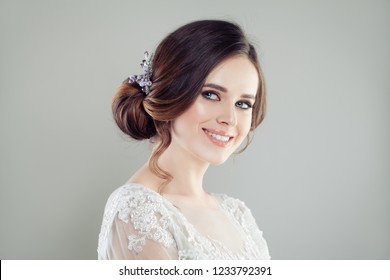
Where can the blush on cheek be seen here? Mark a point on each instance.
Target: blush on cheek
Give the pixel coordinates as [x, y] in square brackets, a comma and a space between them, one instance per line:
[191, 118]
[198, 111]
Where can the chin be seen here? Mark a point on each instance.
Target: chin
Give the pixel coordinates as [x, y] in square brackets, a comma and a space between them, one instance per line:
[218, 161]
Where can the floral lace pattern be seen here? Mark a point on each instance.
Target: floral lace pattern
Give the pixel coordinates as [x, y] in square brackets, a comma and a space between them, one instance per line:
[149, 218]
[153, 218]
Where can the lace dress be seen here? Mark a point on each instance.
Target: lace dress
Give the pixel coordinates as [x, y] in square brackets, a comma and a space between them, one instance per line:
[139, 223]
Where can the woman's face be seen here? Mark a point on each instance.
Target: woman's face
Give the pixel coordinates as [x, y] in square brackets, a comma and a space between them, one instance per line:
[214, 126]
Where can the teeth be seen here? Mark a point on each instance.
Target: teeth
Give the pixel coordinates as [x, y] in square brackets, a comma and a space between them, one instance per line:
[218, 137]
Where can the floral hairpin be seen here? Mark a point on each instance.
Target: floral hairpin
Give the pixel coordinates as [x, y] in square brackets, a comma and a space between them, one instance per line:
[143, 80]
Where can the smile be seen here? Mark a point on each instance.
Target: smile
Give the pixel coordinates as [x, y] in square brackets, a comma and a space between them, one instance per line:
[218, 139]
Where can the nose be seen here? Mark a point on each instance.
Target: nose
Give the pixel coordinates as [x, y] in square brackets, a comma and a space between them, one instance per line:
[227, 116]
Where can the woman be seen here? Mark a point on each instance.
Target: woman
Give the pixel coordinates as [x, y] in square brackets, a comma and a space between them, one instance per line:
[197, 101]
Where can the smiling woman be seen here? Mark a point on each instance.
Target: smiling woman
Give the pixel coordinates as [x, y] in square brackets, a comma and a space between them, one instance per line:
[222, 113]
[198, 99]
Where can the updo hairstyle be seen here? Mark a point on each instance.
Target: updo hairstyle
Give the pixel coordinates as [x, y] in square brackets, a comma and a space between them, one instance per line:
[181, 63]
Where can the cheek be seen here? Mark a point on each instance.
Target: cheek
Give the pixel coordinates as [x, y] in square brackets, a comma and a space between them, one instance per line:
[245, 126]
[197, 113]
[192, 118]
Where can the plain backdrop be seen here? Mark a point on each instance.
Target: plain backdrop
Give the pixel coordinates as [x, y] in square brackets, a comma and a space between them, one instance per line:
[317, 175]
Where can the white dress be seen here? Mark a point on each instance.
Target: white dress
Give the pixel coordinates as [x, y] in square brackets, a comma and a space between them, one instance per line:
[139, 223]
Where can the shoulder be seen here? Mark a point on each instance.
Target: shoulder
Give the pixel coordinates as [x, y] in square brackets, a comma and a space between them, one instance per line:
[130, 198]
[140, 213]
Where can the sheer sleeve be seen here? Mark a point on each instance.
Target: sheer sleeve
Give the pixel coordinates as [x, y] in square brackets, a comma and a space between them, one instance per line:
[125, 242]
[136, 225]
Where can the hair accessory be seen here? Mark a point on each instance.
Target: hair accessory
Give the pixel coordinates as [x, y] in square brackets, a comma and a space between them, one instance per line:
[144, 79]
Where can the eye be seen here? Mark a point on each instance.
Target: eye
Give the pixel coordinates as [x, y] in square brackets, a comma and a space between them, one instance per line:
[244, 105]
[210, 95]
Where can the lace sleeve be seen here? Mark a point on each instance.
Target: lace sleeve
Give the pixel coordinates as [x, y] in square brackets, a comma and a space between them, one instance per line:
[126, 242]
[136, 225]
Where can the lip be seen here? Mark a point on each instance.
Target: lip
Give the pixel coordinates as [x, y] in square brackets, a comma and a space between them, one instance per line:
[215, 141]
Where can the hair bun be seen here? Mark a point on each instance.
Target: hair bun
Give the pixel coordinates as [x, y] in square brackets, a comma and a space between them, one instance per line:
[129, 112]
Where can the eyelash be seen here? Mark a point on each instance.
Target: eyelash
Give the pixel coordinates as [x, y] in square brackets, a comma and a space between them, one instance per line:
[206, 94]
[245, 103]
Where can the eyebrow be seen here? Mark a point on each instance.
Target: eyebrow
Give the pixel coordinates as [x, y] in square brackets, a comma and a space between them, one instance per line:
[223, 89]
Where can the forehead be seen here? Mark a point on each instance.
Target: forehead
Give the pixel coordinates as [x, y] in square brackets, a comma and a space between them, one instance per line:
[236, 74]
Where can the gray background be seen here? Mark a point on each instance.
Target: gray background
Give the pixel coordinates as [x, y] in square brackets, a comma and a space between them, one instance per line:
[316, 176]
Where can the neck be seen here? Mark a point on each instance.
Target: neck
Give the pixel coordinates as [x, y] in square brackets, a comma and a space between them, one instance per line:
[187, 172]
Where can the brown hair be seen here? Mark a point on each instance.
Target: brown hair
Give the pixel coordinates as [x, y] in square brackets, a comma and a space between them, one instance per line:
[181, 63]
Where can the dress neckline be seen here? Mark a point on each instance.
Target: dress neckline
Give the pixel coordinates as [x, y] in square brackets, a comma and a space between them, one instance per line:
[219, 199]
[216, 197]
